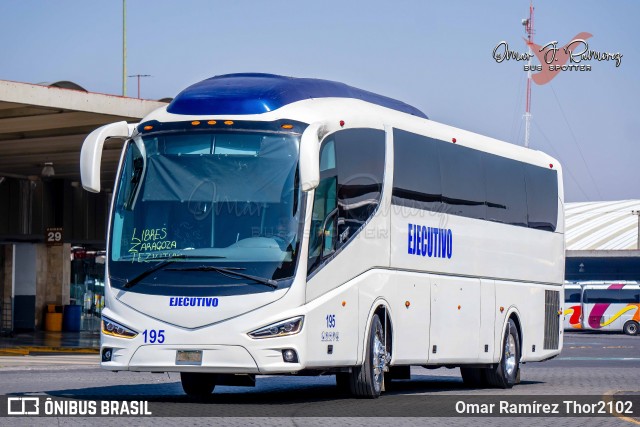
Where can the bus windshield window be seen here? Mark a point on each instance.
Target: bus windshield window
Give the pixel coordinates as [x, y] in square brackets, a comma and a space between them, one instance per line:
[230, 198]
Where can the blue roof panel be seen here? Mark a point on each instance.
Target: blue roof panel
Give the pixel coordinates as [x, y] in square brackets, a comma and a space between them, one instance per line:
[239, 94]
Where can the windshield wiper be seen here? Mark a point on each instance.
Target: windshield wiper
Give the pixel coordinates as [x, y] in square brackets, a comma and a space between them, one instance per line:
[164, 261]
[231, 271]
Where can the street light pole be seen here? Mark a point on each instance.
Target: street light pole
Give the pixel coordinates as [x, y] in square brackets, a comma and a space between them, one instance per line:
[124, 47]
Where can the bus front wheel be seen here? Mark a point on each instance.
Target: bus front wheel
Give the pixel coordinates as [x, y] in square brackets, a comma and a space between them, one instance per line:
[506, 374]
[631, 328]
[368, 380]
[197, 384]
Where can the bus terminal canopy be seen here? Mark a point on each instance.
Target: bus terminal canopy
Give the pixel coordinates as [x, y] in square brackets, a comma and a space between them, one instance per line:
[602, 226]
[602, 240]
[41, 124]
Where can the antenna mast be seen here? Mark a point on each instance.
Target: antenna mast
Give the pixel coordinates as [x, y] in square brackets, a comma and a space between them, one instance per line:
[528, 28]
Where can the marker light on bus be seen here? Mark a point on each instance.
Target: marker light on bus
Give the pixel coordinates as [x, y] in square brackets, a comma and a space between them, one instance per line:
[109, 327]
[148, 127]
[195, 123]
[211, 122]
[228, 122]
[286, 126]
[286, 327]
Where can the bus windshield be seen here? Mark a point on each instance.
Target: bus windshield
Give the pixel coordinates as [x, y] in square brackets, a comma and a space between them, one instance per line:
[228, 199]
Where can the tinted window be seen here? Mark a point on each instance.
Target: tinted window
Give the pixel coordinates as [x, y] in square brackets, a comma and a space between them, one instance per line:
[352, 172]
[623, 296]
[440, 176]
[417, 180]
[572, 295]
[360, 163]
[506, 195]
[542, 197]
[462, 174]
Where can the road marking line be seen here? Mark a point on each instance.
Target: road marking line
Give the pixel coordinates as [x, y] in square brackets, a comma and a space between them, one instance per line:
[608, 397]
[624, 359]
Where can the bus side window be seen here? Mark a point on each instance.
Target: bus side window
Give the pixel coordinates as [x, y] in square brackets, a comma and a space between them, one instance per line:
[351, 174]
[322, 231]
[360, 165]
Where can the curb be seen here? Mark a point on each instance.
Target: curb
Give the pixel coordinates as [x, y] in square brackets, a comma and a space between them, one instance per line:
[30, 350]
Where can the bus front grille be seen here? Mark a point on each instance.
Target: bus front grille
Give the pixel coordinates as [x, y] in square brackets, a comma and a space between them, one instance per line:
[551, 320]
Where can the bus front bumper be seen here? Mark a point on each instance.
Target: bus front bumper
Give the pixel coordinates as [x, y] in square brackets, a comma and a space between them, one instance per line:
[264, 357]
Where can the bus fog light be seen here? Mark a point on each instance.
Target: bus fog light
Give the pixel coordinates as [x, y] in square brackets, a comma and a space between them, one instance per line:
[286, 327]
[107, 353]
[290, 356]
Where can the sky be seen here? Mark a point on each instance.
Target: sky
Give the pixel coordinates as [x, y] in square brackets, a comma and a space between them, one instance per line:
[436, 56]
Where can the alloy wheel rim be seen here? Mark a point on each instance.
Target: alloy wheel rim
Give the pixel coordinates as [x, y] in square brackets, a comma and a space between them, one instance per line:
[379, 361]
[510, 354]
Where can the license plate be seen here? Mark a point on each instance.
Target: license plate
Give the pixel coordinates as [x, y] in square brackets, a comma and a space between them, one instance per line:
[189, 357]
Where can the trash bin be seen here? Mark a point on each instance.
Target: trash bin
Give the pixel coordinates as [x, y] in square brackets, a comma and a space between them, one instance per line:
[53, 322]
[71, 318]
[53, 318]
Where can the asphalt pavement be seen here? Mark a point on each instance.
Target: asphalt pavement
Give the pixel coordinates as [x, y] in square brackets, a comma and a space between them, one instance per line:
[591, 366]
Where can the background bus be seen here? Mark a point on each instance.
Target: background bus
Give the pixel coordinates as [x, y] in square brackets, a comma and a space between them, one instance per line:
[602, 306]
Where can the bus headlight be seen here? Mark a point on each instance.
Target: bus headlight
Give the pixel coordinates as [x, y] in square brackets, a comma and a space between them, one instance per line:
[109, 327]
[286, 327]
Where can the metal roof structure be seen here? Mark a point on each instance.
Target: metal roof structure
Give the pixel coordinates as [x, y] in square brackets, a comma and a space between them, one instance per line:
[40, 124]
[602, 226]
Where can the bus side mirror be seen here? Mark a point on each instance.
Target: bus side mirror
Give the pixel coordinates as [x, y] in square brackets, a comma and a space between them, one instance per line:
[91, 154]
[310, 157]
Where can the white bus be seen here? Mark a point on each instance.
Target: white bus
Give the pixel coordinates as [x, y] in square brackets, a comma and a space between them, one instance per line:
[272, 225]
[602, 306]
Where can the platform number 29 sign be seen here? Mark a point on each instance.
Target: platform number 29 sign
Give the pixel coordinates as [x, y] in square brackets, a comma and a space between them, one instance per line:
[53, 236]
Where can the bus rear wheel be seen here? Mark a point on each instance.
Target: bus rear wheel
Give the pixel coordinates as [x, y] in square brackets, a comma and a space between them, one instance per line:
[368, 380]
[631, 327]
[507, 373]
[197, 384]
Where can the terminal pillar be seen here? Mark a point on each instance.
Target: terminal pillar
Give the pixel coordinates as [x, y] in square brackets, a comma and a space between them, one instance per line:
[53, 278]
[24, 286]
[40, 275]
[6, 297]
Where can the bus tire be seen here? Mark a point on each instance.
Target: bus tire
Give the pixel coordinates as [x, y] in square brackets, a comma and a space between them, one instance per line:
[630, 327]
[474, 377]
[197, 384]
[367, 381]
[505, 375]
